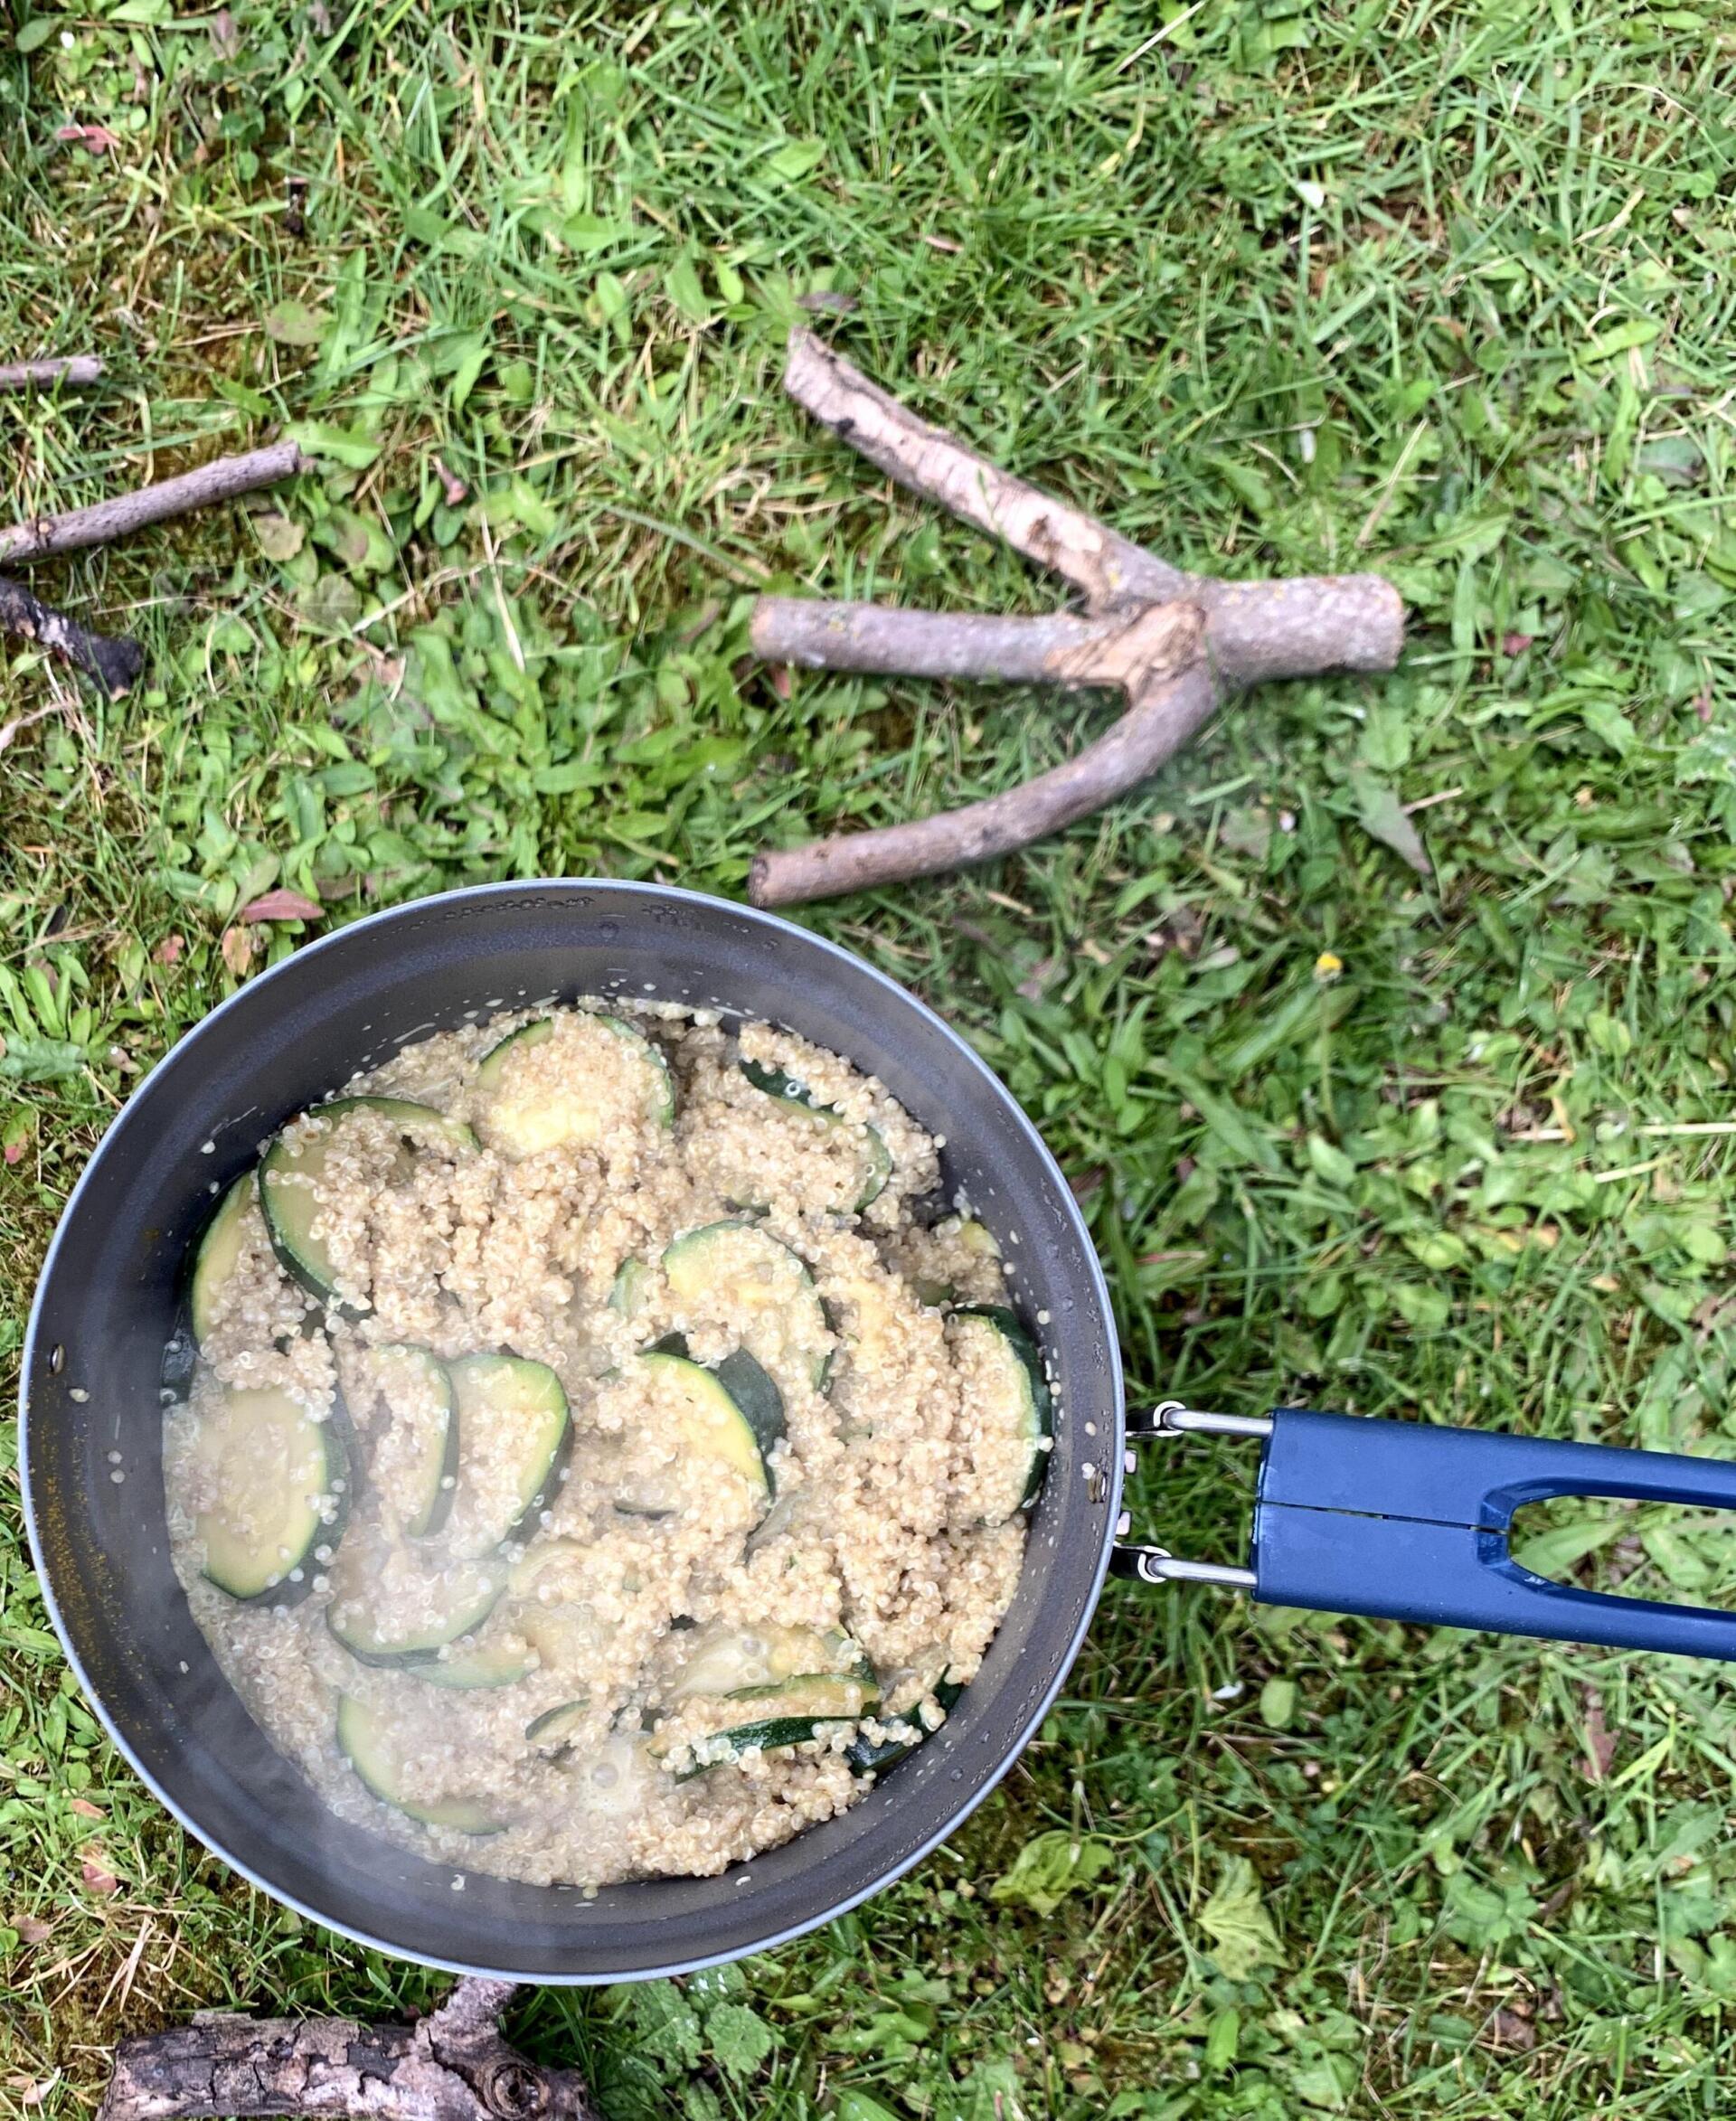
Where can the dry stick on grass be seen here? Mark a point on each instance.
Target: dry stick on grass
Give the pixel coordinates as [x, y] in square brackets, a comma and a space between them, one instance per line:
[115, 664]
[1241, 633]
[43, 375]
[451, 2066]
[1255, 630]
[1163, 719]
[222, 480]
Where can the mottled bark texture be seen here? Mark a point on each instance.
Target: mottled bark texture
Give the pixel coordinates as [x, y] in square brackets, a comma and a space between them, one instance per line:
[450, 2066]
[115, 664]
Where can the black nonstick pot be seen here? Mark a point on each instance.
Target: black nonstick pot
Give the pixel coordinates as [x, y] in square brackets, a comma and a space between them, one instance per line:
[107, 1302]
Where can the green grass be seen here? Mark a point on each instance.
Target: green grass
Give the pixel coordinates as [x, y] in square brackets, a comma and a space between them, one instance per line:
[1447, 288]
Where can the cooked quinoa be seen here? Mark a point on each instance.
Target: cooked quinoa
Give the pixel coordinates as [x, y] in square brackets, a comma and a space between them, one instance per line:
[724, 1531]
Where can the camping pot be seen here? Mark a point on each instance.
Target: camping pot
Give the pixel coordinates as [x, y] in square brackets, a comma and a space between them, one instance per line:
[1364, 1517]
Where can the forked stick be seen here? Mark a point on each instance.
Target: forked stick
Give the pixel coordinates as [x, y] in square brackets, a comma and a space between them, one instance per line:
[1255, 630]
[1241, 633]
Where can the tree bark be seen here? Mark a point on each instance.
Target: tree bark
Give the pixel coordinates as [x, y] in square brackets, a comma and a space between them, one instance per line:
[222, 480]
[451, 2066]
[115, 664]
[1163, 719]
[42, 376]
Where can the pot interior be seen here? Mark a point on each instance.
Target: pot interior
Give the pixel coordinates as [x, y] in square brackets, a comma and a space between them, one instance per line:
[107, 1300]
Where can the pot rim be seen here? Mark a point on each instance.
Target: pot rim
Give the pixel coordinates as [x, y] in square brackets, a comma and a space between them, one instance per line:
[1096, 1291]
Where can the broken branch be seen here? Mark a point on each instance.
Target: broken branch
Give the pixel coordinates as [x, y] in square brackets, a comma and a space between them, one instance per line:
[222, 480]
[451, 2066]
[41, 375]
[115, 664]
[1254, 630]
[1161, 720]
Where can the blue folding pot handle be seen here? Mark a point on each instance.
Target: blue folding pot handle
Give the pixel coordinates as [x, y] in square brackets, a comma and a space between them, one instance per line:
[1405, 1521]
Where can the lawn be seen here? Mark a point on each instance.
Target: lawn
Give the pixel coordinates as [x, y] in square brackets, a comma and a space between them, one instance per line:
[1346, 1030]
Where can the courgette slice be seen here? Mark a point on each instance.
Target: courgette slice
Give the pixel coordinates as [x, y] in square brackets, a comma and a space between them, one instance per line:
[376, 1747]
[526, 1118]
[414, 1462]
[724, 1660]
[734, 1274]
[614, 1781]
[775, 1717]
[481, 1665]
[219, 1254]
[567, 1638]
[1020, 1397]
[551, 1570]
[514, 1428]
[875, 1756]
[628, 1291]
[382, 1620]
[549, 1582]
[556, 1727]
[794, 1096]
[733, 1414]
[971, 1237]
[291, 1169]
[279, 1481]
[649, 1504]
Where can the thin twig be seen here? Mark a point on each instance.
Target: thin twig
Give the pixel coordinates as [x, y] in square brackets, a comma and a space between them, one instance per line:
[42, 376]
[115, 664]
[220, 480]
[1152, 731]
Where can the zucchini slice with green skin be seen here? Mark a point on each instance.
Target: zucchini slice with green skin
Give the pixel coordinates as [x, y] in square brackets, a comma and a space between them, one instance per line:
[219, 1253]
[513, 1429]
[1020, 1363]
[627, 1290]
[279, 1478]
[870, 1756]
[556, 1726]
[613, 1781]
[733, 1414]
[796, 1097]
[290, 1178]
[777, 1717]
[374, 1749]
[470, 1670]
[415, 1464]
[723, 1660]
[457, 1603]
[527, 1122]
[736, 1274]
[645, 1507]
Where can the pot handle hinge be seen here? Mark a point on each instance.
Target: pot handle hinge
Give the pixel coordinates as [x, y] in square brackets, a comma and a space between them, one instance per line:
[1148, 1564]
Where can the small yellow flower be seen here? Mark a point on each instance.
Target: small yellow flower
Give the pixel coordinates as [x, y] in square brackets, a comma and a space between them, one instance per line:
[1328, 966]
